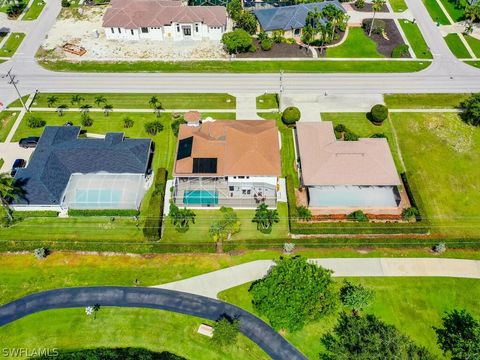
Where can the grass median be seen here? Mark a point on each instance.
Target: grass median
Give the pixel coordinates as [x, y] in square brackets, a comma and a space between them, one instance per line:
[35, 10]
[415, 38]
[11, 45]
[436, 12]
[425, 101]
[456, 46]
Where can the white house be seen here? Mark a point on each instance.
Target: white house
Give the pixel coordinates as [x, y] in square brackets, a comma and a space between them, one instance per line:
[163, 20]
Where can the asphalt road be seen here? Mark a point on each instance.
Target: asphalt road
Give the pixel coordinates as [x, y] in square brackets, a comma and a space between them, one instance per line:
[139, 297]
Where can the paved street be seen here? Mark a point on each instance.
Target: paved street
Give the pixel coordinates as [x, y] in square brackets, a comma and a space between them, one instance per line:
[251, 326]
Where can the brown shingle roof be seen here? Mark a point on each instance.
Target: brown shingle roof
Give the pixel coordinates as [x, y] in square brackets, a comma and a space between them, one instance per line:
[327, 161]
[248, 148]
[134, 14]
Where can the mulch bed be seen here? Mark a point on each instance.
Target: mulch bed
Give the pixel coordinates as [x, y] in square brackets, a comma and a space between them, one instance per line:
[385, 46]
[281, 50]
[343, 217]
[368, 8]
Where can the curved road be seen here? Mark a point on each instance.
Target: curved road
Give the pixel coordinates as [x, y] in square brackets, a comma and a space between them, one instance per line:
[139, 297]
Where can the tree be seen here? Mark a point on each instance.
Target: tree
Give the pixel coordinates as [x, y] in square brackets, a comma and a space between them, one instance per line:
[61, 108]
[9, 190]
[35, 122]
[293, 293]
[237, 41]
[291, 115]
[356, 297]
[176, 125]
[265, 218]
[472, 12]
[224, 229]
[365, 338]
[85, 108]
[153, 101]
[51, 100]
[225, 331]
[471, 110]
[234, 9]
[379, 113]
[76, 99]
[410, 213]
[86, 120]
[247, 21]
[376, 6]
[157, 109]
[100, 100]
[181, 218]
[127, 122]
[153, 127]
[304, 213]
[459, 336]
[107, 108]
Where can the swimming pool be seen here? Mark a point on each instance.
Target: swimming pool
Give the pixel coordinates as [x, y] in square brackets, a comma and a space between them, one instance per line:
[353, 196]
[200, 197]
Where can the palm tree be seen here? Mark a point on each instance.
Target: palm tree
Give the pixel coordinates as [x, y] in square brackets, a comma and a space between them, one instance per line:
[107, 108]
[157, 109]
[153, 101]
[100, 100]
[77, 99]
[181, 217]
[472, 12]
[61, 108]
[8, 190]
[85, 108]
[265, 218]
[51, 100]
[376, 6]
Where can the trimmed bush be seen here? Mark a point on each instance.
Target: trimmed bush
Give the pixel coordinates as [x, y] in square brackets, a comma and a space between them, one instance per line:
[291, 115]
[379, 113]
[35, 122]
[360, 4]
[27, 214]
[266, 44]
[111, 353]
[153, 127]
[65, 3]
[128, 122]
[400, 51]
[358, 215]
[86, 121]
[350, 136]
[103, 212]
[152, 227]
[237, 41]
[410, 213]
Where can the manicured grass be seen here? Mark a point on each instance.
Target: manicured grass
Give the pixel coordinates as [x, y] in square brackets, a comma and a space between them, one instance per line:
[473, 63]
[416, 40]
[122, 327]
[398, 5]
[357, 45]
[7, 119]
[424, 101]
[198, 232]
[139, 101]
[456, 12]
[436, 12]
[35, 10]
[446, 173]
[319, 66]
[413, 305]
[11, 45]
[1, 162]
[474, 44]
[456, 46]
[267, 101]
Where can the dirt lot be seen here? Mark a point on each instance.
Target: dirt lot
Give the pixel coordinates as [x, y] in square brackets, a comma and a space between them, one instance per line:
[385, 46]
[81, 27]
[281, 50]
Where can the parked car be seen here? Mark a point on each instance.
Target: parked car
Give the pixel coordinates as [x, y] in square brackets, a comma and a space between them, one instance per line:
[29, 142]
[17, 164]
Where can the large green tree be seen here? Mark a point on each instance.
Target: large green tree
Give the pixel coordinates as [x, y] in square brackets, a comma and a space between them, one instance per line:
[247, 21]
[237, 41]
[471, 110]
[234, 9]
[459, 336]
[8, 190]
[294, 293]
[181, 218]
[225, 331]
[368, 338]
[356, 296]
[265, 218]
[224, 228]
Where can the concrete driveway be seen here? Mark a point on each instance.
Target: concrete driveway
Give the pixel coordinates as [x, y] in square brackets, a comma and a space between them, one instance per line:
[11, 151]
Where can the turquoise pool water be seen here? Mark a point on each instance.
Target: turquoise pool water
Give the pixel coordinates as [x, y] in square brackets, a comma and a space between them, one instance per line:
[200, 197]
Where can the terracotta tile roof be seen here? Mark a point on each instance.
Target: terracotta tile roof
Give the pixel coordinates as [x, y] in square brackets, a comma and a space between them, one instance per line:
[327, 161]
[134, 14]
[248, 147]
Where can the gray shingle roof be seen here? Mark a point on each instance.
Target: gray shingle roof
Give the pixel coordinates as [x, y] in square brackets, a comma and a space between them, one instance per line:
[289, 17]
[60, 153]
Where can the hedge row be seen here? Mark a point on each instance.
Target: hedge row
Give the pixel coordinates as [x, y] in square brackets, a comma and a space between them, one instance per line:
[104, 212]
[152, 227]
[27, 214]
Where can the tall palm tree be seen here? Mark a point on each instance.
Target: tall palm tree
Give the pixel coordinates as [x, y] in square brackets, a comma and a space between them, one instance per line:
[76, 99]
[8, 190]
[158, 109]
[376, 6]
[107, 108]
[182, 217]
[51, 100]
[85, 108]
[153, 101]
[100, 100]
[265, 218]
[61, 108]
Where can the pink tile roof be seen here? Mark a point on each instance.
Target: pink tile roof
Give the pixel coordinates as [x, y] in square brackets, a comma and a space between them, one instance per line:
[327, 161]
[134, 14]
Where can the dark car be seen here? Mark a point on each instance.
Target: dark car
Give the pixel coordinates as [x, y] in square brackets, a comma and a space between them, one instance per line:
[29, 142]
[19, 163]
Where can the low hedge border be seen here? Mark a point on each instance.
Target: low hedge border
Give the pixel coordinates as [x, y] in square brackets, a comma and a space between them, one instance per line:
[27, 214]
[152, 227]
[104, 212]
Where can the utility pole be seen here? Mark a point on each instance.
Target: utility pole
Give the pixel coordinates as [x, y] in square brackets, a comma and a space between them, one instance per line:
[280, 95]
[12, 81]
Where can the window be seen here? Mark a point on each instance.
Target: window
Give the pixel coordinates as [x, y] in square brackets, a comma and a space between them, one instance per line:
[231, 188]
[178, 28]
[187, 30]
[119, 30]
[241, 177]
[113, 30]
[296, 32]
[131, 31]
[196, 27]
[144, 30]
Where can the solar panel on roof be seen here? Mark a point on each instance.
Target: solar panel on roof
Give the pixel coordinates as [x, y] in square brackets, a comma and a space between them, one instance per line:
[185, 148]
[204, 165]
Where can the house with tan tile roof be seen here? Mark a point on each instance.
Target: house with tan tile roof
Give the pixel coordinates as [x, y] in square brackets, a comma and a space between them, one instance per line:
[346, 174]
[227, 163]
[163, 20]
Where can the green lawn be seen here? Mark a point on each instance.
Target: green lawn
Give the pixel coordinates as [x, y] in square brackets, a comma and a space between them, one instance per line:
[35, 10]
[1, 162]
[442, 154]
[140, 101]
[198, 232]
[122, 327]
[416, 40]
[436, 12]
[267, 101]
[474, 44]
[357, 45]
[456, 12]
[398, 5]
[473, 63]
[456, 46]
[320, 66]
[424, 101]
[7, 119]
[414, 305]
[11, 45]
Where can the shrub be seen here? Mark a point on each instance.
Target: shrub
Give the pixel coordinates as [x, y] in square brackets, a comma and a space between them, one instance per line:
[127, 123]
[400, 51]
[152, 227]
[237, 41]
[440, 248]
[262, 35]
[35, 122]
[379, 113]
[110, 353]
[410, 213]
[103, 212]
[176, 125]
[291, 115]
[350, 136]
[304, 213]
[15, 10]
[65, 3]
[247, 21]
[360, 4]
[153, 127]
[234, 9]
[358, 216]
[266, 44]
[378, 26]
[378, 136]
[86, 120]
[356, 296]
[40, 253]
[340, 128]
[225, 331]
[471, 110]
[277, 36]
